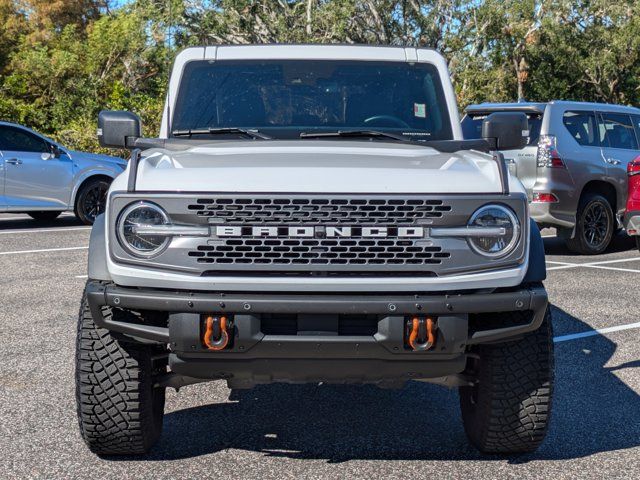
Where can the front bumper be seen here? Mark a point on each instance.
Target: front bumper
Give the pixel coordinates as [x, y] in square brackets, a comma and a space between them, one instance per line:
[255, 357]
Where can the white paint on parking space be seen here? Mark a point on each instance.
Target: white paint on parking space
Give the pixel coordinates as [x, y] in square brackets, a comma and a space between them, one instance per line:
[82, 276]
[601, 265]
[43, 230]
[591, 333]
[62, 249]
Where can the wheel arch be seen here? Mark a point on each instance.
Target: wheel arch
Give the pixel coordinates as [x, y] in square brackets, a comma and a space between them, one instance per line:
[97, 259]
[604, 188]
[88, 177]
[537, 269]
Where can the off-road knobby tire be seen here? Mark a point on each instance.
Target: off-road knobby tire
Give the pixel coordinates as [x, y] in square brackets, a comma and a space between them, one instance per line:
[44, 216]
[508, 410]
[578, 244]
[119, 410]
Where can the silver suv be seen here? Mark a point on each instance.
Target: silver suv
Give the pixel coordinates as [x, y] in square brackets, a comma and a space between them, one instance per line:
[42, 178]
[574, 166]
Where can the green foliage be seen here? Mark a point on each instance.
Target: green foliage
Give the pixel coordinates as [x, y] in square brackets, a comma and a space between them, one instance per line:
[62, 61]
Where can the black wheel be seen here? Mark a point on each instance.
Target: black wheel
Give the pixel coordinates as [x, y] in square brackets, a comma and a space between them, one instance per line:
[91, 200]
[638, 243]
[119, 410]
[507, 411]
[44, 216]
[595, 226]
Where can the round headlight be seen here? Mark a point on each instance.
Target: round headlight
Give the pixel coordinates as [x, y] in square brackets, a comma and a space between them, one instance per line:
[131, 232]
[505, 235]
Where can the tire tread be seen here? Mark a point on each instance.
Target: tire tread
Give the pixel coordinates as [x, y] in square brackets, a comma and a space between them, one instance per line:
[114, 391]
[514, 394]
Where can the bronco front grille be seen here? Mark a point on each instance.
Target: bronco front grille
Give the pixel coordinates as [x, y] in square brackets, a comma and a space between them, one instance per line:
[323, 211]
[319, 252]
[315, 234]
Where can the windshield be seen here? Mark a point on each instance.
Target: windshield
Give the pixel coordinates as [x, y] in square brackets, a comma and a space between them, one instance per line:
[284, 98]
[472, 126]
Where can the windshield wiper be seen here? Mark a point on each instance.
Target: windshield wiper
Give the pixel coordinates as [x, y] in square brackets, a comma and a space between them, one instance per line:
[221, 131]
[355, 133]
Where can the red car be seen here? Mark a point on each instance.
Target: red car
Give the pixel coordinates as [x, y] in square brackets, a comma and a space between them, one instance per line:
[632, 213]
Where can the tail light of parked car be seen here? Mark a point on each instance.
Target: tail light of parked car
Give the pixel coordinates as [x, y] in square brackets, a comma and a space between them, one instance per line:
[633, 197]
[548, 156]
[633, 168]
[544, 198]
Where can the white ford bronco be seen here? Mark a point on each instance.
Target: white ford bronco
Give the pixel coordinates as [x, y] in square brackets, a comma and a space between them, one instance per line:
[312, 214]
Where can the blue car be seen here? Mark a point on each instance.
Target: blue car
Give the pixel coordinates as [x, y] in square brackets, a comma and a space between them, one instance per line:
[41, 178]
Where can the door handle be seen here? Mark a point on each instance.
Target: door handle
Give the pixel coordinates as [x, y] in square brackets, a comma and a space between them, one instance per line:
[613, 161]
[13, 161]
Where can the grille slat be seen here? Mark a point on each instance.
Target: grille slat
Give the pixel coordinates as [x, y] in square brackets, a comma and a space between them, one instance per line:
[318, 210]
[319, 252]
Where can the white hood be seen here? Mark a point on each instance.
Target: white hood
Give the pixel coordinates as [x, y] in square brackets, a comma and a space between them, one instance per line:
[310, 166]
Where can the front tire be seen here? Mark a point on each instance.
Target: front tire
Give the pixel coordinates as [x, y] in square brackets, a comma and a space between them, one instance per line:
[119, 410]
[44, 216]
[507, 411]
[595, 226]
[91, 200]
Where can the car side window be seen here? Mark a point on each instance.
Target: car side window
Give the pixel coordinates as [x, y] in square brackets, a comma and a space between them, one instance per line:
[583, 127]
[635, 119]
[619, 131]
[18, 140]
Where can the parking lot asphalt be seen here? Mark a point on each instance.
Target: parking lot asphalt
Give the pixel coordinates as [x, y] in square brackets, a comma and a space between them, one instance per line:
[290, 431]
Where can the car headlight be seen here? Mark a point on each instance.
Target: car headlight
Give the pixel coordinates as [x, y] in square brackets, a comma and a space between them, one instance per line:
[503, 231]
[131, 229]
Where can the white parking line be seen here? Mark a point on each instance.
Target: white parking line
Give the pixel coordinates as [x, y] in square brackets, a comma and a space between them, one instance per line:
[43, 230]
[601, 264]
[82, 276]
[599, 331]
[20, 252]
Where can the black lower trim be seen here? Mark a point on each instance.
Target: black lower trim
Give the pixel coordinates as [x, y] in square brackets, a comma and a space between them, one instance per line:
[319, 349]
[248, 373]
[99, 294]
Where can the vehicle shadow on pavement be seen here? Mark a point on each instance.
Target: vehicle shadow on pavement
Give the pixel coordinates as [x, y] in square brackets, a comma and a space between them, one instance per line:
[8, 223]
[594, 411]
[620, 243]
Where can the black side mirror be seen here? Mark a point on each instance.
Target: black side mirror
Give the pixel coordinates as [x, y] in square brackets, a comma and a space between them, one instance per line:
[506, 130]
[118, 129]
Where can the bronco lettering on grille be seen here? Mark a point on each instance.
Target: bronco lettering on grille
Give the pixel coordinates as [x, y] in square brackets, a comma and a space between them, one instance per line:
[320, 232]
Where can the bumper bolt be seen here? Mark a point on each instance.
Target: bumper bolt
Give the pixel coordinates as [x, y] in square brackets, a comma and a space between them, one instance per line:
[190, 303]
[519, 303]
[116, 301]
[392, 307]
[246, 306]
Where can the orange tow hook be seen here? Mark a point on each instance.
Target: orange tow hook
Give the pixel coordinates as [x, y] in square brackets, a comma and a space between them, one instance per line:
[421, 335]
[216, 335]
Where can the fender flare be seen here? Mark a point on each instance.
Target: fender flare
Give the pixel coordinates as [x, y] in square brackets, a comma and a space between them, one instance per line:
[537, 270]
[97, 261]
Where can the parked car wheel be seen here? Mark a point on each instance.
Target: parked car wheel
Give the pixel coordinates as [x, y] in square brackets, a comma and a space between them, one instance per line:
[120, 411]
[91, 200]
[595, 226]
[44, 216]
[508, 410]
[638, 243]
